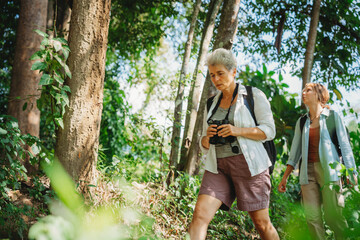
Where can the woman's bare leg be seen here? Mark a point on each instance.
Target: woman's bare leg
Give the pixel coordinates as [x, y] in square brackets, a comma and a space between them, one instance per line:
[205, 209]
[263, 224]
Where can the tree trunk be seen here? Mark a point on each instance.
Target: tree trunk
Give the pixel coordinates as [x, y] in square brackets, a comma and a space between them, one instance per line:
[24, 86]
[224, 39]
[310, 45]
[63, 19]
[175, 139]
[63, 14]
[77, 144]
[198, 81]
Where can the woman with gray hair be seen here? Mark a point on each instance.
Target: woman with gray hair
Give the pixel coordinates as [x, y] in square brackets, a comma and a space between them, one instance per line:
[237, 164]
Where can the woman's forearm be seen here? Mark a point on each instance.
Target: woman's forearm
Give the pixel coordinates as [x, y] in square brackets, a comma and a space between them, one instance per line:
[288, 171]
[253, 133]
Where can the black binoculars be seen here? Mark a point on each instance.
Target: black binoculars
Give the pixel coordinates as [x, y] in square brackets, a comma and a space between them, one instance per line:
[217, 139]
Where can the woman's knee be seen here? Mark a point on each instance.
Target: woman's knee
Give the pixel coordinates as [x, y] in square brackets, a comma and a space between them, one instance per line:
[201, 215]
[262, 224]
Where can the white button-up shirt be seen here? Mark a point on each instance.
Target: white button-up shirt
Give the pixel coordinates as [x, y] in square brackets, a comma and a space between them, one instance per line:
[253, 150]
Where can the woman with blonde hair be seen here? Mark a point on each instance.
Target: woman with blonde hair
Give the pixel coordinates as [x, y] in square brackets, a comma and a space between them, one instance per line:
[312, 147]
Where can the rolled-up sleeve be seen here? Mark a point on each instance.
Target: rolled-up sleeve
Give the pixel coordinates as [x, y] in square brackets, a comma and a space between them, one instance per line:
[263, 113]
[295, 152]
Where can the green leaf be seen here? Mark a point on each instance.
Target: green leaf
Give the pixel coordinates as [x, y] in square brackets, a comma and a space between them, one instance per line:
[62, 40]
[66, 53]
[338, 94]
[2, 131]
[57, 45]
[67, 71]
[37, 55]
[41, 33]
[59, 79]
[45, 79]
[24, 106]
[45, 42]
[281, 77]
[58, 98]
[59, 122]
[65, 98]
[64, 187]
[39, 66]
[66, 88]
[59, 60]
[35, 149]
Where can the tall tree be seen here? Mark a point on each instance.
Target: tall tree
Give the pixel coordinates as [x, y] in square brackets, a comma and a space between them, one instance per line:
[310, 45]
[224, 39]
[77, 143]
[176, 130]
[25, 82]
[198, 81]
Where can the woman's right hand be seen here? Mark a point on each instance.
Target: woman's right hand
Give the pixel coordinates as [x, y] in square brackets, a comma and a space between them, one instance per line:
[211, 131]
[282, 185]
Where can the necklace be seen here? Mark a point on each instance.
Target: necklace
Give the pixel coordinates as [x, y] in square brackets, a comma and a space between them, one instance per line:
[311, 120]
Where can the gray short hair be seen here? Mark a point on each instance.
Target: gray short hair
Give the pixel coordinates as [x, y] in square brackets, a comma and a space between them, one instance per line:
[222, 56]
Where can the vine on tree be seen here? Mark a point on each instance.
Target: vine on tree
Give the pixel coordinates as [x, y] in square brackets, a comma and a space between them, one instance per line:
[52, 58]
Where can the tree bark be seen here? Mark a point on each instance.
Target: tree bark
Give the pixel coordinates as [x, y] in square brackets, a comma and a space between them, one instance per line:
[24, 86]
[175, 139]
[62, 22]
[198, 82]
[77, 144]
[224, 39]
[311, 42]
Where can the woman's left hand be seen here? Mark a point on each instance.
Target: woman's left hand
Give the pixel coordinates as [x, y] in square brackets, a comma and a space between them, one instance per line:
[226, 130]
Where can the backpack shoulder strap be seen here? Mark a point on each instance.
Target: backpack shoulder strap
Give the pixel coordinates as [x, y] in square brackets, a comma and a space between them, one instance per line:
[302, 122]
[330, 124]
[249, 102]
[209, 102]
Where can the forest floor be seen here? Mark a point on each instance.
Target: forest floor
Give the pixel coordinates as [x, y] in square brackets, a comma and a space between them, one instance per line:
[171, 219]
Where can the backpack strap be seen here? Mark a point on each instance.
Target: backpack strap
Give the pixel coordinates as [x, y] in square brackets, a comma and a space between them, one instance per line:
[209, 103]
[330, 124]
[249, 102]
[302, 122]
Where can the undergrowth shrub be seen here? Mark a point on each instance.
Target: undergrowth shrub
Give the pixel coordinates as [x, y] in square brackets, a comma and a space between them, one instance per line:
[14, 180]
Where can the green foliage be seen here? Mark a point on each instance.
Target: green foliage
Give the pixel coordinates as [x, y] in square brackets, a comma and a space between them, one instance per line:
[137, 26]
[13, 147]
[337, 49]
[53, 54]
[9, 15]
[72, 219]
[131, 146]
